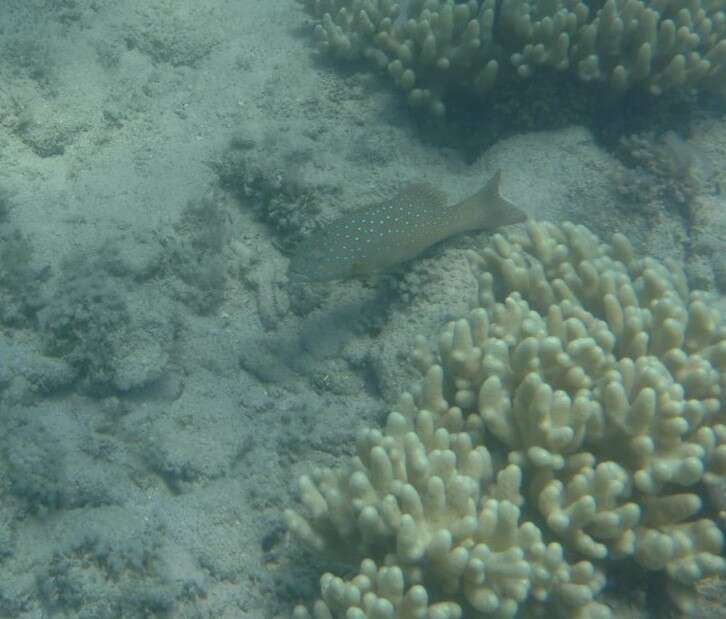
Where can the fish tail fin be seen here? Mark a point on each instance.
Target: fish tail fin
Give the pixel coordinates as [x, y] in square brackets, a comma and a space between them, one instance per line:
[495, 210]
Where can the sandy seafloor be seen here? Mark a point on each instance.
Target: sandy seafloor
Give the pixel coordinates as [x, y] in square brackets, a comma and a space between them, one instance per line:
[160, 388]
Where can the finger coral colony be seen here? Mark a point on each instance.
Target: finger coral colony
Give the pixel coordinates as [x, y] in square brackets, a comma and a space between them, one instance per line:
[432, 46]
[575, 416]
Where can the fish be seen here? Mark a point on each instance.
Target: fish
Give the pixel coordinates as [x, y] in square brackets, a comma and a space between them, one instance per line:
[376, 238]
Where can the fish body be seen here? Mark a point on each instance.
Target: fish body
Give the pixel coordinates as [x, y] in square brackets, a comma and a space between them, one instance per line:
[377, 237]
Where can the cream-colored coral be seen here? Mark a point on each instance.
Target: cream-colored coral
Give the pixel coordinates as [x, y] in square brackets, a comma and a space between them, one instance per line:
[422, 490]
[599, 378]
[430, 46]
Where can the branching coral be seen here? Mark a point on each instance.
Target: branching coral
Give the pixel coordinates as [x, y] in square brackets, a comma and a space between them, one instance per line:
[572, 420]
[432, 46]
